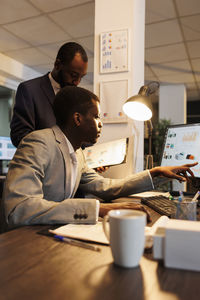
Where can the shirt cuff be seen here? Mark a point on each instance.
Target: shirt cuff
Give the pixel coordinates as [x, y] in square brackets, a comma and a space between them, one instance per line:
[97, 210]
[151, 179]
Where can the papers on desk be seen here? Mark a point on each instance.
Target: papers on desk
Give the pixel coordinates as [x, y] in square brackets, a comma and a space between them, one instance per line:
[148, 194]
[136, 198]
[94, 233]
[106, 154]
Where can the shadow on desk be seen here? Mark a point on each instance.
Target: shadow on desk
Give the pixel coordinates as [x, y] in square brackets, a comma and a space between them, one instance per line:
[171, 282]
[121, 282]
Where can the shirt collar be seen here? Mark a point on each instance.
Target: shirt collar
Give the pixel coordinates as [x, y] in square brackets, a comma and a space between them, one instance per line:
[55, 84]
[71, 149]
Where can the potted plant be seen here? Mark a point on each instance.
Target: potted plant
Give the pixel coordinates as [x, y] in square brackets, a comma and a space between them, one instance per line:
[158, 135]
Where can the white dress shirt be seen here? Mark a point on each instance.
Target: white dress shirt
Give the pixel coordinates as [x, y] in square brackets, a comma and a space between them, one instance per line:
[73, 164]
[55, 85]
[74, 174]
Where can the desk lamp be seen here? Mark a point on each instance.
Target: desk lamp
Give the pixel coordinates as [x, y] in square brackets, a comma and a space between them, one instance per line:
[139, 108]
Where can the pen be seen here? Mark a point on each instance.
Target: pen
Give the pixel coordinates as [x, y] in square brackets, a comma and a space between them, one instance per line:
[180, 198]
[77, 243]
[196, 196]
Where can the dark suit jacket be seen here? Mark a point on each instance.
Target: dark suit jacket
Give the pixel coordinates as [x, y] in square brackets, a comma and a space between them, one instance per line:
[33, 108]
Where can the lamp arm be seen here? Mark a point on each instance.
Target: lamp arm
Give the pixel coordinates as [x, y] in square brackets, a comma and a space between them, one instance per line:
[149, 126]
[150, 130]
[144, 90]
[149, 89]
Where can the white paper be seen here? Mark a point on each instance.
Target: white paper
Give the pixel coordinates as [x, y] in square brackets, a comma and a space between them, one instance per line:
[113, 94]
[95, 233]
[86, 232]
[151, 194]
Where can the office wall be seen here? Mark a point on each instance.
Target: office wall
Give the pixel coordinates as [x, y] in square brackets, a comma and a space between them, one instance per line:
[172, 103]
[13, 72]
[118, 15]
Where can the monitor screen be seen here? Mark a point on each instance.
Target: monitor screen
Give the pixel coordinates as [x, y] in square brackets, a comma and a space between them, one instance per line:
[7, 150]
[182, 146]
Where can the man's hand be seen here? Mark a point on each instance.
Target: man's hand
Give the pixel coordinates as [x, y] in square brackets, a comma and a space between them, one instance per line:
[180, 173]
[101, 169]
[106, 207]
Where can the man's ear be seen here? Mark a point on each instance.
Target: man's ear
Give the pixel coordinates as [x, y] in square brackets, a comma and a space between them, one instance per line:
[57, 64]
[77, 118]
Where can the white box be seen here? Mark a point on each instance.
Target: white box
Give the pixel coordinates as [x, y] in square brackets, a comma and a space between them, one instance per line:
[182, 245]
[158, 243]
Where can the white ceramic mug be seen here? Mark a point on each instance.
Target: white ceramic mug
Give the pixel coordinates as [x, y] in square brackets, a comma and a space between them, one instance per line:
[126, 236]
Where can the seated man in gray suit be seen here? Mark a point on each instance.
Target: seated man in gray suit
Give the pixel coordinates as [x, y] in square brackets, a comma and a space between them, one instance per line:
[49, 166]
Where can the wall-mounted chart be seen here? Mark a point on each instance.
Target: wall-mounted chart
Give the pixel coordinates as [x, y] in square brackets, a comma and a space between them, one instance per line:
[114, 51]
[113, 94]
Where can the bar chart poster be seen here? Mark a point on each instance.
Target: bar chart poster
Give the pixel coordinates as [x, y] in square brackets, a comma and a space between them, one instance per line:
[114, 51]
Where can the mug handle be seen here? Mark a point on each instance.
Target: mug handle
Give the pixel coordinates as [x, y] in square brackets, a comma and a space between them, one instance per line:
[105, 229]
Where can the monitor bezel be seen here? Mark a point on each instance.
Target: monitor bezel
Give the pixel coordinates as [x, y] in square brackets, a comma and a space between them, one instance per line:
[166, 133]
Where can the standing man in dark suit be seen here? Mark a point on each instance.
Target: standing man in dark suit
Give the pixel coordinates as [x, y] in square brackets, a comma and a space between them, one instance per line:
[34, 98]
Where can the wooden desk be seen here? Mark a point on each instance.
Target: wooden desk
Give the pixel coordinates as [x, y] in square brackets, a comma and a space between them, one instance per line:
[34, 266]
[2, 216]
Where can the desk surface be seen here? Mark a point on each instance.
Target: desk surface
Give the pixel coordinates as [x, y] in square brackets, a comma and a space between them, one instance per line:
[34, 266]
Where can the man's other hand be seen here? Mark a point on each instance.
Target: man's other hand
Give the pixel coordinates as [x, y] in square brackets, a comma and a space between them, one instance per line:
[106, 207]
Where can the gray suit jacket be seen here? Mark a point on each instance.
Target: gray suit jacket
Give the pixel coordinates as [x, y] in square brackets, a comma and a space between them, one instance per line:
[39, 178]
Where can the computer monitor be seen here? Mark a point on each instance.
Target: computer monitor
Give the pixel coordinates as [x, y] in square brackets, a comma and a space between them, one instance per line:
[182, 146]
[7, 150]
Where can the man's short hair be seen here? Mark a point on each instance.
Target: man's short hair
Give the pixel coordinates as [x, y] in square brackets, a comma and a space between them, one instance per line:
[71, 99]
[67, 52]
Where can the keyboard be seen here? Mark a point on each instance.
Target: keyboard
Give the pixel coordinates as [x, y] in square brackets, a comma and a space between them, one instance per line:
[161, 204]
[195, 182]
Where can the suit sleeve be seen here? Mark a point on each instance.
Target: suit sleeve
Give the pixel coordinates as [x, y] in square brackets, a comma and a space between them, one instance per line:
[24, 199]
[108, 189]
[23, 120]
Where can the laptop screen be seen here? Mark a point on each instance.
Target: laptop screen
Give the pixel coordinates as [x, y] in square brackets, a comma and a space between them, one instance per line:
[182, 146]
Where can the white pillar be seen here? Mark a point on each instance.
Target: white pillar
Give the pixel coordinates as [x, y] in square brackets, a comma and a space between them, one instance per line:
[172, 103]
[114, 15]
[173, 107]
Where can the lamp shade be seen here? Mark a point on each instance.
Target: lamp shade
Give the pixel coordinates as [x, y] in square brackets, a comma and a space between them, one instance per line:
[138, 108]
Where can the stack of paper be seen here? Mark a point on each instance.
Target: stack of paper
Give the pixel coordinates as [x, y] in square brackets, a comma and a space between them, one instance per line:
[95, 233]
